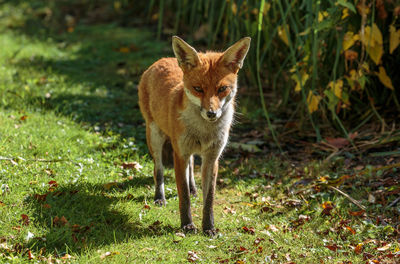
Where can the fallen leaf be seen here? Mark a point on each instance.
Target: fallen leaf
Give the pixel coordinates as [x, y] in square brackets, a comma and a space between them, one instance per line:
[258, 241]
[333, 247]
[180, 234]
[17, 228]
[108, 254]
[385, 247]
[358, 248]
[192, 256]
[30, 255]
[29, 236]
[357, 213]
[131, 165]
[242, 249]
[49, 172]
[66, 256]
[351, 230]
[228, 210]
[23, 118]
[2, 204]
[371, 198]
[328, 207]
[273, 228]
[60, 221]
[25, 219]
[249, 230]
[337, 142]
[47, 206]
[53, 184]
[40, 197]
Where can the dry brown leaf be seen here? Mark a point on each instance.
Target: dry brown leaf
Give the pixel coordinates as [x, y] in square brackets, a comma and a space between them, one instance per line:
[25, 219]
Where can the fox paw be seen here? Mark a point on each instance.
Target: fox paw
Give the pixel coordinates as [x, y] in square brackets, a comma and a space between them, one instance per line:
[193, 192]
[210, 232]
[160, 202]
[190, 228]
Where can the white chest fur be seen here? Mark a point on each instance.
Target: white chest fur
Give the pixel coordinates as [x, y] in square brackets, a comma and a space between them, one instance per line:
[202, 136]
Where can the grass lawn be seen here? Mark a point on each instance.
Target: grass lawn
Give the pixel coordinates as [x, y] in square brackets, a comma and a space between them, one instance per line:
[76, 178]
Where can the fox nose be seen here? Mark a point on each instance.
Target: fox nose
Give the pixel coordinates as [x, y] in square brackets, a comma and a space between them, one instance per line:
[211, 114]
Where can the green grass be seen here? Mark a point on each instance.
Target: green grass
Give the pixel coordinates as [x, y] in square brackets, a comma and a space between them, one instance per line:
[69, 115]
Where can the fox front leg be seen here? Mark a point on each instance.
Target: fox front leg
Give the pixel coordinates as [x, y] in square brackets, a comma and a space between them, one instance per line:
[209, 172]
[181, 168]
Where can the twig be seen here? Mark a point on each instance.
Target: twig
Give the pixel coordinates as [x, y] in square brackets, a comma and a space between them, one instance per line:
[348, 197]
[333, 154]
[394, 202]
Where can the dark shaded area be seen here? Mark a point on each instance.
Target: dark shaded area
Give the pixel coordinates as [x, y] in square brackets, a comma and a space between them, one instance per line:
[91, 219]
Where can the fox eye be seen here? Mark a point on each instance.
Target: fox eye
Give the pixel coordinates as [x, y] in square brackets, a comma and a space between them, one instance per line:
[222, 89]
[198, 89]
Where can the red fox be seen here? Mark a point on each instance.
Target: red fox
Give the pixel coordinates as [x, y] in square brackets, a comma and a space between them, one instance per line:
[189, 101]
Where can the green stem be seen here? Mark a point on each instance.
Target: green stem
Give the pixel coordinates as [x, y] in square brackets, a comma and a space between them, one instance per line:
[260, 21]
[160, 19]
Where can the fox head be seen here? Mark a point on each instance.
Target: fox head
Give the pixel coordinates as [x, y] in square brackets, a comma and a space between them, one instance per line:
[210, 78]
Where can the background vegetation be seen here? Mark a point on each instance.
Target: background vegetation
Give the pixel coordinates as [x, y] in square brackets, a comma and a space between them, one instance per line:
[319, 64]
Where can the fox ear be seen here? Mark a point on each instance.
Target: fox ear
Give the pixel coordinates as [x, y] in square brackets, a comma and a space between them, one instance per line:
[186, 55]
[234, 56]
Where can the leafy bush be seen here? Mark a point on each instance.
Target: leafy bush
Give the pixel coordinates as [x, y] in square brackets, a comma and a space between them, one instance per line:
[330, 61]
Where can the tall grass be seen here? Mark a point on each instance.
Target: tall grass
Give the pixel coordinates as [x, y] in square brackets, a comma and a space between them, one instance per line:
[300, 43]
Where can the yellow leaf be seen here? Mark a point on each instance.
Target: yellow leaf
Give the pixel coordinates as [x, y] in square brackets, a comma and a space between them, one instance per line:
[313, 101]
[372, 36]
[376, 34]
[283, 34]
[375, 53]
[372, 40]
[337, 88]
[352, 79]
[322, 15]
[384, 78]
[394, 38]
[304, 78]
[349, 39]
[234, 8]
[345, 13]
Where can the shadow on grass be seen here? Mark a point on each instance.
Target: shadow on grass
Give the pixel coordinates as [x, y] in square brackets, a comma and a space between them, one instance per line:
[85, 216]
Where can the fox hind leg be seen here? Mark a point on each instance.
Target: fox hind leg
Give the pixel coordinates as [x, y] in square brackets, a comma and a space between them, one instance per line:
[155, 140]
[192, 184]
